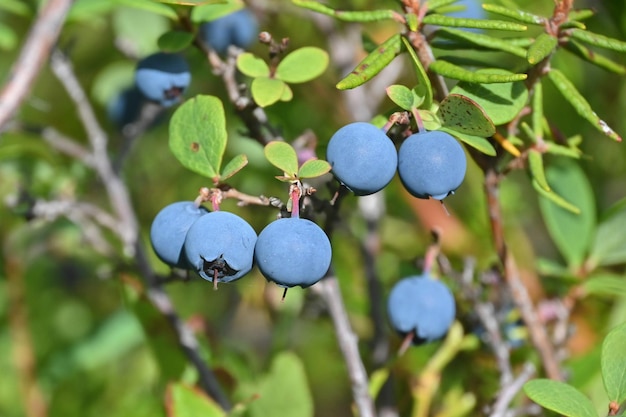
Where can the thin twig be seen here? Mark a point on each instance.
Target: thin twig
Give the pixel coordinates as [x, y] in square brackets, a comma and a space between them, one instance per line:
[34, 53]
[508, 393]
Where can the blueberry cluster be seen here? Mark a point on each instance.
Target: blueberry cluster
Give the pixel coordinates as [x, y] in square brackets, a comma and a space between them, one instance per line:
[239, 28]
[222, 247]
[422, 307]
[364, 159]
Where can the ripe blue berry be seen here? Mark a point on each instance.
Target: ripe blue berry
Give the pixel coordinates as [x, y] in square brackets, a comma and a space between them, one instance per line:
[293, 251]
[431, 164]
[362, 157]
[422, 306]
[125, 107]
[239, 28]
[169, 228]
[163, 77]
[220, 246]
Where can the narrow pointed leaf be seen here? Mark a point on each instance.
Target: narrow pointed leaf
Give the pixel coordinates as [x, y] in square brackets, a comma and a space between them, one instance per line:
[302, 65]
[234, 166]
[184, 401]
[267, 91]
[175, 41]
[560, 397]
[582, 107]
[484, 41]
[477, 142]
[593, 57]
[401, 96]
[537, 111]
[348, 16]
[572, 231]
[541, 48]
[581, 14]
[198, 135]
[455, 72]
[423, 87]
[457, 22]
[535, 164]
[252, 66]
[598, 40]
[613, 364]
[513, 13]
[437, 4]
[314, 168]
[372, 64]
[571, 24]
[612, 285]
[556, 149]
[283, 156]
[461, 113]
[501, 101]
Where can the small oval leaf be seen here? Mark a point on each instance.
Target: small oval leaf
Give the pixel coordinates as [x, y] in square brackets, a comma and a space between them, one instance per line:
[210, 12]
[267, 91]
[314, 168]
[252, 66]
[477, 142]
[302, 65]
[234, 166]
[198, 135]
[613, 364]
[560, 397]
[174, 41]
[372, 64]
[184, 401]
[461, 113]
[283, 156]
[609, 244]
[401, 96]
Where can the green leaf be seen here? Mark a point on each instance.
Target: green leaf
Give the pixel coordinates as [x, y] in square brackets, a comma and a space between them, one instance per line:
[347, 16]
[302, 65]
[175, 41]
[313, 168]
[461, 113]
[556, 149]
[476, 142]
[377, 380]
[198, 135]
[287, 94]
[252, 66]
[560, 397]
[598, 40]
[535, 164]
[267, 91]
[402, 96]
[284, 391]
[605, 284]
[8, 37]
[581, 14]
[126, 20]
[184, 401]
[537, 108]
[486, 76]
[572, 233]
[372, 64]
[437, 4]
[478, 39]
[207, 13]
[429, 119]
[283, 156]
[609, 245]
[613, 364]
[541, 48]
[423, 88]
[441, 20]
[513, 13]
[18, 7]
[580, 104]
[593, 57]
[234, 166]
[150, 6]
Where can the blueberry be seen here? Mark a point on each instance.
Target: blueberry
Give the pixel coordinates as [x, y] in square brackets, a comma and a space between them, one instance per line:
[423, 306]
[163, 77]
[125, 108]
[220, 246]
[431, 164]
[169, 228]
[239, 28]
[362, 157]
[293, 251]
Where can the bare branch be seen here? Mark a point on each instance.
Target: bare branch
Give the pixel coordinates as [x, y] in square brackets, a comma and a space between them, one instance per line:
[508, 392]
[35, 51]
